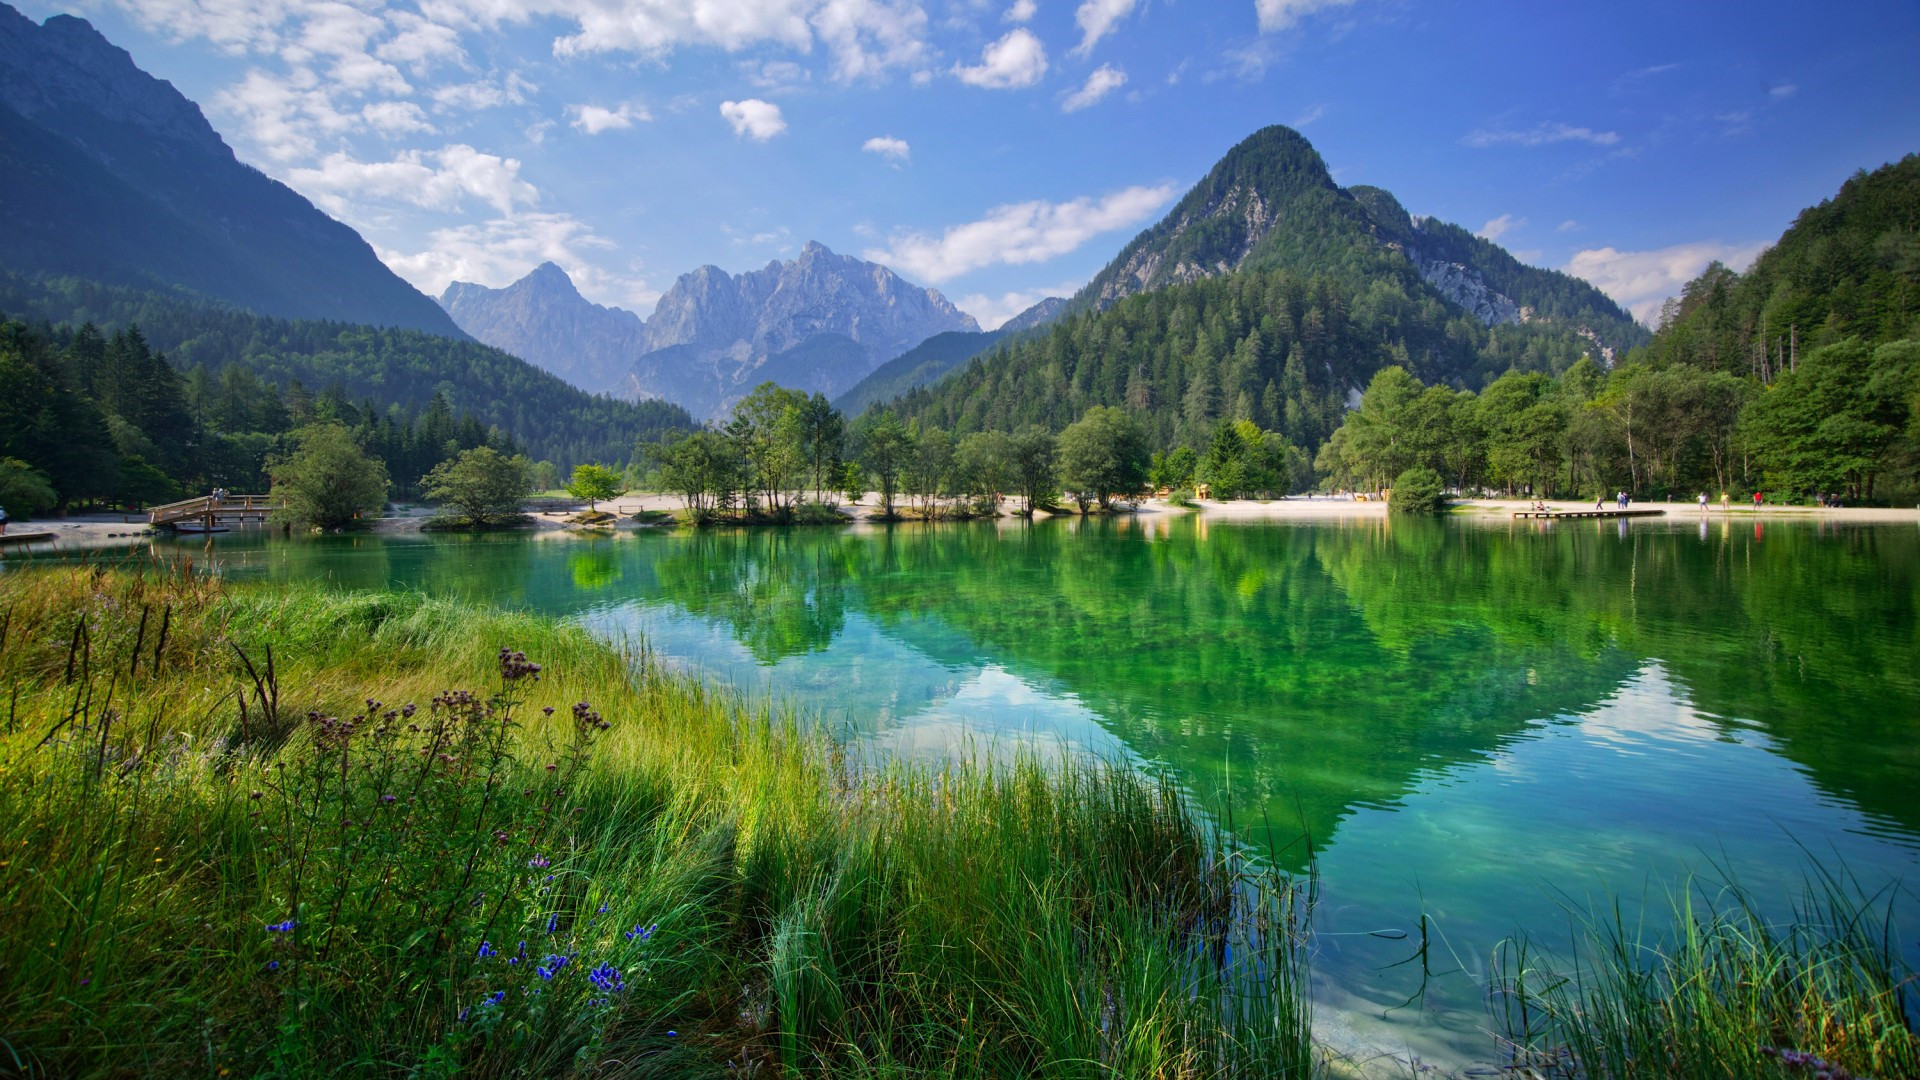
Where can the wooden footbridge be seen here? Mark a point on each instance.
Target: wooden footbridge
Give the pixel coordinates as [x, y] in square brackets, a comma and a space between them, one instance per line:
[209, 512]
[1553, 515]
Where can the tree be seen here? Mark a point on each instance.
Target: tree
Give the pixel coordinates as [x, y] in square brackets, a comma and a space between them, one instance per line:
[768, 427]
[482, 484]
[704, 469]
[1103, 454]
[1418, 490]
[24, 488]
[544, 476]
[1033, 465]
[885, 448]
[327, 480]
[982, 467]
[593, 483]
[930, 467]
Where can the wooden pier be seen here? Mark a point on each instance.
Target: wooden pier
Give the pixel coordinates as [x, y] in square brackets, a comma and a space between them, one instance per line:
[1552, 515]
[12, 538]
[208, 512]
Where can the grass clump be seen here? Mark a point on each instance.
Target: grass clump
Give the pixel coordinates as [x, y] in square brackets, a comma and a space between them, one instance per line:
[1820, 994]
[286, 831]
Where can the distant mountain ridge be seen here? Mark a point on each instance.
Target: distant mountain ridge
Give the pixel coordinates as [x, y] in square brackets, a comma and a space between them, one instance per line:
[938, 356]
[819, 323]
[113, 175]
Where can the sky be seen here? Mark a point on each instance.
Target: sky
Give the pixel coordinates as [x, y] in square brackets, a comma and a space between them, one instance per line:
[1004, 150]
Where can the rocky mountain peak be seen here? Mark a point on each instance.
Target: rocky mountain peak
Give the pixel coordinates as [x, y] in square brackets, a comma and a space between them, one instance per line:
[819, 322]
[51, 72]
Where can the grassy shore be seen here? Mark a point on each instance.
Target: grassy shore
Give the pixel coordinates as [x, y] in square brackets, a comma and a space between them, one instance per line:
[254, 831]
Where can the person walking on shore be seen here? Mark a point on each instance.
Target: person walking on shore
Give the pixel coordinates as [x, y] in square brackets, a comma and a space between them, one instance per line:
[1703, 502]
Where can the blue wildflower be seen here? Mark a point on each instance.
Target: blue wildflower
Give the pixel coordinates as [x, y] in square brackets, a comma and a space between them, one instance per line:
[486, 949]
[283, 927]
[273, 965]
[553, 923]
[607, 978]
[603, 909]
[539, 862]
[495, 998]
[552, 967]
[642, 933]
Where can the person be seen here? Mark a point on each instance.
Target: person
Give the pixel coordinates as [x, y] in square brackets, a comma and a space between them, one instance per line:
[3, 521]
[1703, 502]
[1726, 502]
[1623, 500]
[1756, 500]
[1599, 502]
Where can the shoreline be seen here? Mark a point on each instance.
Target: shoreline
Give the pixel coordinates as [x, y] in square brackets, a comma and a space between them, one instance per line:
[111, 529]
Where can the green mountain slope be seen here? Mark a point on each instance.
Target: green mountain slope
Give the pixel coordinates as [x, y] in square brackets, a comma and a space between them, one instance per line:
[1271, 294]
[552, 419]
[1849, 267]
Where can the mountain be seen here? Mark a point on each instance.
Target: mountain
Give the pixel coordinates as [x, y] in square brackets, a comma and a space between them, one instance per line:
[113, 175]
[1848, 267]
[1270, 203]
[544, 320]
[938, 356]
[386, 366]
[819, 323]
[1270, 293]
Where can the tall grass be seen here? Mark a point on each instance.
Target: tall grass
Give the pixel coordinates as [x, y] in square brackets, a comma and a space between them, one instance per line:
[285, 831]
[1729, 992]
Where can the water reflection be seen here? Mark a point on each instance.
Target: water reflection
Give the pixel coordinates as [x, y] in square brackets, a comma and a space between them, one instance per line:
[1474, 722]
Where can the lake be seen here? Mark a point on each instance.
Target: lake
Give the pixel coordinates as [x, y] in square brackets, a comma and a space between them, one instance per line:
[1488, 724]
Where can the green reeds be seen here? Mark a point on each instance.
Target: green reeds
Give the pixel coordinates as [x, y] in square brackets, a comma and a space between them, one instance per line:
[284, 831]
[1731, 990]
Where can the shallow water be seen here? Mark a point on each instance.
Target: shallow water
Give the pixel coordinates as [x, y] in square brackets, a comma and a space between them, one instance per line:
[1489, 724]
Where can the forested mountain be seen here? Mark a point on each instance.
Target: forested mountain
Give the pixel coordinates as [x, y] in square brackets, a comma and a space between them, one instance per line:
[933, 359]
[819, 323]
[1271, 204]
[1272, 295]
[403, 369]
[112, 175]
[1799, 379]
[1849, 267]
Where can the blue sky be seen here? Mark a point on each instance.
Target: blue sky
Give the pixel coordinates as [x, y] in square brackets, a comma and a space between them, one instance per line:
[1003, 151]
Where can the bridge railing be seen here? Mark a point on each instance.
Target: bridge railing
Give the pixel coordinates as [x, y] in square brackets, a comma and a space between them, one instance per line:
[208, 506]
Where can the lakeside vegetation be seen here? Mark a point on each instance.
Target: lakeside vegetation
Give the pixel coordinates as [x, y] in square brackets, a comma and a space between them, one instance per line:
[124, 396]
[266, 830]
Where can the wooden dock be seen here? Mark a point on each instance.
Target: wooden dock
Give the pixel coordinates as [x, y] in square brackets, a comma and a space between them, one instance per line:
[1553, 515]
[209, 512]
[13, 538]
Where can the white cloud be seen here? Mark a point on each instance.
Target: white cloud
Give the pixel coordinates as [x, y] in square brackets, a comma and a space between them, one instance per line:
[1028, 232]
[1021, 11]
[756, 119]
[1539, 135]
[1014, 61]
[1500, 226]
[1277, 15]
[1309, 115]
[1569, 225]
[483, 93]
[1096, 19]
[992, 312]
[1104, 80]
[501, 251]
[1641, 281]
[594, 119]
[887, 147]
[420, 43]
[441, 180]
[1782, 91]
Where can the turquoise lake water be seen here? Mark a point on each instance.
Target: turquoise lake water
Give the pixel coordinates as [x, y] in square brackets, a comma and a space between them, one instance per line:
[1489, 724]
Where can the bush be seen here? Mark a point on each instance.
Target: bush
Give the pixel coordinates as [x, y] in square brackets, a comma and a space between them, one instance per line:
[1419, 490]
